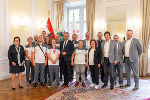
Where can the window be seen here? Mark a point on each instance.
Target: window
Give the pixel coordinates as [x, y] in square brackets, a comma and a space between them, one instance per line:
[76, 21]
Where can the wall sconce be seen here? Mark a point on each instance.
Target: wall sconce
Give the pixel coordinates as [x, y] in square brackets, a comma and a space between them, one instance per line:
[100, 26]
[21, 22]
[41, 24]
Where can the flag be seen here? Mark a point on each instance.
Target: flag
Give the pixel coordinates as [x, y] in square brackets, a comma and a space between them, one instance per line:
[50, 28]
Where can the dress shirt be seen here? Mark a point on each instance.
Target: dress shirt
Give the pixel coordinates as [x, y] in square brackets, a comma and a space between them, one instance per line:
[106, 49]
[127, 47]
[88, 44]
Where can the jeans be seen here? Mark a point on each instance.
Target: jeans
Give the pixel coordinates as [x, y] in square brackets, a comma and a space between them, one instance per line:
[108, 68]
[39, 69]
[135, 68]
[54, 70]
[119, 68]
[79, 68]
[29, 67]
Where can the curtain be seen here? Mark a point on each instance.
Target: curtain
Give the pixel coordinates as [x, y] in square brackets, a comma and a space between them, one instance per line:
[60, 12]
[100, 17]
[145, 5]
[134, 17]
[90, 16]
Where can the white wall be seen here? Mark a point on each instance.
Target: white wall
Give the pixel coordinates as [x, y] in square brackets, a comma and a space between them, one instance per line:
[4, 39]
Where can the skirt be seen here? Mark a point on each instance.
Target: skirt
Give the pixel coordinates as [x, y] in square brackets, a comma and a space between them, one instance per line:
[16, 69]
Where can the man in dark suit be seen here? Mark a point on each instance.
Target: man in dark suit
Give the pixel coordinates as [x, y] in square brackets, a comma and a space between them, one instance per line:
[119, 66]
[66, 49]
[99, 41]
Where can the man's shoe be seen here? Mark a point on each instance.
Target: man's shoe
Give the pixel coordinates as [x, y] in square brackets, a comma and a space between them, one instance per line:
[58, 83]
[103, 86]
[30, 82]
[127, 85]
[135, 88]
[111, 87]
[35, 85]
[103, 80]
[45, 81]
[42, 84]
[49, 85]
[121, 86]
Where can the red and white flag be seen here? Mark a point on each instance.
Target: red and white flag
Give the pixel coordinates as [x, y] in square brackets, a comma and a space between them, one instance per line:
[50, 28]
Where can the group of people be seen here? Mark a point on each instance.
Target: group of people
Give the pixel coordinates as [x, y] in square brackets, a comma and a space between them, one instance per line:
[48, 59]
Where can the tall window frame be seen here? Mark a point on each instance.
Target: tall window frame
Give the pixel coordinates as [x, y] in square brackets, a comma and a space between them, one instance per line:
[81, 22]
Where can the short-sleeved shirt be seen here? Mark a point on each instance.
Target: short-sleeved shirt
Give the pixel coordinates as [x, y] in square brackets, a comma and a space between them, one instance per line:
[29, 49]
[80, 55]
[39, 54]
[53, 53]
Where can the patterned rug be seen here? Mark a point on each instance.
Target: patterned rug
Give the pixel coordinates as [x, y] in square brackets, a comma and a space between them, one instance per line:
[88, 93]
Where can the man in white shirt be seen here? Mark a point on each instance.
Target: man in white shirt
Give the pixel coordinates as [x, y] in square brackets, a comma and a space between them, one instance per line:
[39, 61]
[109, 59]
[132, 51]
[87, 45]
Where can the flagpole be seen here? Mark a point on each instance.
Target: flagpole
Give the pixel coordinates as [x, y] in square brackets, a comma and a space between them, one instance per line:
[73, 22]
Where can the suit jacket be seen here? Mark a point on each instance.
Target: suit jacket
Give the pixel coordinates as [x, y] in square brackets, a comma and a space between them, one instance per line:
[112, 51]
[135, 50]
[69, 49]
[120, 52]
[84, 43]
[12, 54]
[75, 43]
[99, 47]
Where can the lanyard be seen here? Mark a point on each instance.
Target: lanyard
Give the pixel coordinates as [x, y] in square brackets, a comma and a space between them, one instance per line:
[54, 51]
[18, 55]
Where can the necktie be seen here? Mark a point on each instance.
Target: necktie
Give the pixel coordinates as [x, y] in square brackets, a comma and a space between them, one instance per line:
[65, 44]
